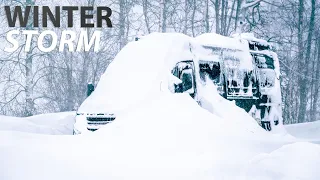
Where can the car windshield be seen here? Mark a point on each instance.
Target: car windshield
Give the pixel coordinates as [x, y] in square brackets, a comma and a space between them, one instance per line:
[211, 70]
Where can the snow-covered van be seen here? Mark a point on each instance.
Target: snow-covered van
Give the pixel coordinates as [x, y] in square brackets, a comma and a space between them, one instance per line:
[249, 74]
[176, 63]
[139, 71]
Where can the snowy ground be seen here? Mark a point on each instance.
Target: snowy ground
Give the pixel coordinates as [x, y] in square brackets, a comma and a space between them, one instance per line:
[307, 131]
[140, 145]
[54, 124]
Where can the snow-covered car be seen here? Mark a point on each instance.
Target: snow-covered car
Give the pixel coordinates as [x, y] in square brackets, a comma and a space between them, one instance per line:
[189, 64]
[129, 79]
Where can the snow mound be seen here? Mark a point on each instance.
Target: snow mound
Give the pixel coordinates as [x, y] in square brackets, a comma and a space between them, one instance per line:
[54, 123]
[180, 113]
[227, 110]
[167, 137]
[287, 163]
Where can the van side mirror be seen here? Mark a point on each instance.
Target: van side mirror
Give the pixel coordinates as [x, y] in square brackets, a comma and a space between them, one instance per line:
[178, 88]
[187, 81]
[182, 79]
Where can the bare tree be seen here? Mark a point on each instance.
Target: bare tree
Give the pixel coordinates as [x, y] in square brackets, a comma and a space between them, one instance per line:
[163, 16]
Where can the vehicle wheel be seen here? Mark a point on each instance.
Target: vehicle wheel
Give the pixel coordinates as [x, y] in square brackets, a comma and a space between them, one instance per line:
[266, 125]
[263, 111]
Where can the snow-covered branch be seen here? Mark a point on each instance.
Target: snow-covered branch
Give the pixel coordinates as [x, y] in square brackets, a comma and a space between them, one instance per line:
[250, 4]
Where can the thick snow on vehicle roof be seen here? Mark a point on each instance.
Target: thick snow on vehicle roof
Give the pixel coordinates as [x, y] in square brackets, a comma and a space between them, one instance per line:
[251, 37]
[237, 48]
[217, 40]
[139, 70]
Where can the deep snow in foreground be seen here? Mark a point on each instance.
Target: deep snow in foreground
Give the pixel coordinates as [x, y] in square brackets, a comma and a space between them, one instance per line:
[190, 143]
[55, 124]
[306, 131]
[160, 136]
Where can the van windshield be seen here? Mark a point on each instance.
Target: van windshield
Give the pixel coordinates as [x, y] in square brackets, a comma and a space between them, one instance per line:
[211, 70]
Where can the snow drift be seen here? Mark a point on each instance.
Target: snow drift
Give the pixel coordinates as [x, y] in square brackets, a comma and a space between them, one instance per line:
[167, 137]
[54, 123]
[288, 162]
[310, 130]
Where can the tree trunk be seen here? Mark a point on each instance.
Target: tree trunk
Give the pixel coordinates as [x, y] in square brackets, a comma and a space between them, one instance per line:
[145, 14]
[238, 9]
[163, 16]
[192, 17]
[316, 83]
[122, 22]
[222, 18]
[207, 23]
[217, 9]
[312, 80]
[231, 13]
[186, 12]
[29, 71]
[303, 81]
[70, 96]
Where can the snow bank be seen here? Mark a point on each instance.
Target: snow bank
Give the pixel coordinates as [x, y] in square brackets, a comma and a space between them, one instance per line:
[168, 137]
[216, 104]
[290, 162]
[310, 130]
[55, 123]
[169, 110]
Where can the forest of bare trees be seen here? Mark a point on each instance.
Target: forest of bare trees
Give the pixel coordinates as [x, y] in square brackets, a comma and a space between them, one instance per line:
[36, 82]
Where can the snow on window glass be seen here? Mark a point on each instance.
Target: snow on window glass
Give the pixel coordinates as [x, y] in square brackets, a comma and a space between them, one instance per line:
[267, 77]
